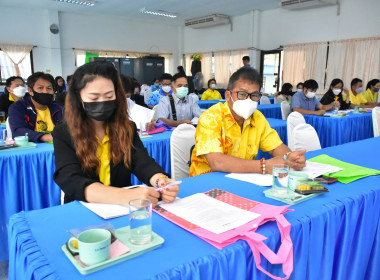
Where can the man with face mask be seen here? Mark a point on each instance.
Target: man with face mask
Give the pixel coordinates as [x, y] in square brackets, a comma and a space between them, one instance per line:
[165, 90]
[36, 115]
[178, 108]
[229, 135]
[306, 103]
[15, 90]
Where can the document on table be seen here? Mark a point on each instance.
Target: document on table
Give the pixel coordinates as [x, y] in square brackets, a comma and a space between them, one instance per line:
[109, 211]
[209, 213]
[314, 169]
[254, 178]
[139, 114]
[195, 120]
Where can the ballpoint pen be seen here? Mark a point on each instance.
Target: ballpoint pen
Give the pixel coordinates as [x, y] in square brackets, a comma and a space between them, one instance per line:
[168, 185]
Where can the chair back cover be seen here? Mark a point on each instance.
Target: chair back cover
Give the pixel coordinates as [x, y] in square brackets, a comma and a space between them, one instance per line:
[181, 141]
[285, 109]
[305, 138]
[376, 121]
[293, 119]
[9, 131]
[264, 100]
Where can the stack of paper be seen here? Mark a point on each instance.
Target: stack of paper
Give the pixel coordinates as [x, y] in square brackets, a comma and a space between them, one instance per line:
[139, 114]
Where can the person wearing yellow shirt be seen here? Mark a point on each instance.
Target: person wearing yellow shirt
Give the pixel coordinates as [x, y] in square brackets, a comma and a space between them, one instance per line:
[97, 147]
[229, 134]
[372, 92]
[37, 114]
[356, 94]
[211, 93]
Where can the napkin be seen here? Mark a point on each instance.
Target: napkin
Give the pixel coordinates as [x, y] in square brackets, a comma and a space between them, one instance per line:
[350, 172]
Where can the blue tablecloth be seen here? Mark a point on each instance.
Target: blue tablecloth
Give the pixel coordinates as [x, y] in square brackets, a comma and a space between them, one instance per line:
[334, 131]
[158, 147]
[26, 179]
[205, 104]
[335, 235]
[271, 110]
[26, 183]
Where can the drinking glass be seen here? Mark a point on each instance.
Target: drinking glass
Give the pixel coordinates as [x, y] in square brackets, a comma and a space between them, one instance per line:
[144, 129]
[280, 175]
[140, 220]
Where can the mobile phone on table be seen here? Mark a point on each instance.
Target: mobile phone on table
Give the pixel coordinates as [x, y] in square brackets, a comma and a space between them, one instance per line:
[326, 180]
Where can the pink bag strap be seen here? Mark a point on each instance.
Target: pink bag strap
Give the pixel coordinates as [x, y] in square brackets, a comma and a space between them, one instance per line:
[284, 255]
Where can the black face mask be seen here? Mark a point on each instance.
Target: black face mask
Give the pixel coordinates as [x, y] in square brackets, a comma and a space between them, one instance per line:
[42, 98]
[100, 111]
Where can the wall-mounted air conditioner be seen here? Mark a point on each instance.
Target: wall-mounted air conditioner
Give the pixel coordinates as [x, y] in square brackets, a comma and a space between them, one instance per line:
[305, 4]
[207, 21]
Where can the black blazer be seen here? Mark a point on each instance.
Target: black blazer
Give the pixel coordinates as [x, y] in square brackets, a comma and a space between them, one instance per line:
[329, 98]
[68, 171]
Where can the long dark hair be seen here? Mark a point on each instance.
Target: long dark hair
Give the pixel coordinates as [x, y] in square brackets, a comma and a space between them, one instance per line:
[286, 89]
[333, 84]
[58, 87]
[81, 127]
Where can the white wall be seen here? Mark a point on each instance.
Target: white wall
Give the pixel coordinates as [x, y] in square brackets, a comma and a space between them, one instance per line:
[357, 19]
[280, 27]
[84, 32]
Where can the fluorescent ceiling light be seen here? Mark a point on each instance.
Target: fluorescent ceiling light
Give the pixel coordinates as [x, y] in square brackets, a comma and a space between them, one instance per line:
[89, 3]
[158, 13]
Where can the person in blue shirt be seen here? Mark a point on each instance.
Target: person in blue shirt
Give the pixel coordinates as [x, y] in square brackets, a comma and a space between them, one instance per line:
[165, 90]
[306, 103]
[156, 85]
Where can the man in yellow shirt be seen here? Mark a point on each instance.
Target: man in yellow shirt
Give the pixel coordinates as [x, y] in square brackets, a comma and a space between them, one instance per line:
[37, 114]
[356, 94]
[211, 93]
[229, 135]
[15, 90]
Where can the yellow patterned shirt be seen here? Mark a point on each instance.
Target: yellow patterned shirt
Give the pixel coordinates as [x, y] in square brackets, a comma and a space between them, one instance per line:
[369, 96]
[44, 122]
[103, 155]
[211, 95]
[218, 132]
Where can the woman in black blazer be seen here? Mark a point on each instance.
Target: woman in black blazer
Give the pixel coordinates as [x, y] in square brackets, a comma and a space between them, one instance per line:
[97, 147]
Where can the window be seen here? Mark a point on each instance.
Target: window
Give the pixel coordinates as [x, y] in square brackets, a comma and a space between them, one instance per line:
[7, 69]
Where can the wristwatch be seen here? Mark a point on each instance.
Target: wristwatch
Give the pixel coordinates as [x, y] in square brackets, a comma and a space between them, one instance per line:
[286, 155]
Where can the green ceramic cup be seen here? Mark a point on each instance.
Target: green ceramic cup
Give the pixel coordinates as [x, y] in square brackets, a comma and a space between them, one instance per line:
[93, 246]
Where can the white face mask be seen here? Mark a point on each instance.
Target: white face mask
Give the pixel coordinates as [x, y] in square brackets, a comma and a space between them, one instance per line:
[299, 90]
[310, 94]
[213, 86]
[166, 89]
[336, 91]
[19, 91]
[244, 108]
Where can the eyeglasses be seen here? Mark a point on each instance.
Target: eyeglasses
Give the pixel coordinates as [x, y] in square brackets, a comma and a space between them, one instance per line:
[255, 96]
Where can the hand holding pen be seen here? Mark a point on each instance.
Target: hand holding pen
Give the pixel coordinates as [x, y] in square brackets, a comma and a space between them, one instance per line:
[170, 191]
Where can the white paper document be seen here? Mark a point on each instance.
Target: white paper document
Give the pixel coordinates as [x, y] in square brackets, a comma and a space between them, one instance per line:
[210, 213]
[314, 169]
[254, 178]
[139, 114]
[109, 211]
[195, 120]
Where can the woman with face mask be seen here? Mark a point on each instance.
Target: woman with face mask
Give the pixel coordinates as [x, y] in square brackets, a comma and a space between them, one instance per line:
[211, 93]
[372, 92]
[97, 147]
[334, 96]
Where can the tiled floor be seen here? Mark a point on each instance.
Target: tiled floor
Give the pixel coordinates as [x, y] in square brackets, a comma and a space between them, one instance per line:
[4, 270]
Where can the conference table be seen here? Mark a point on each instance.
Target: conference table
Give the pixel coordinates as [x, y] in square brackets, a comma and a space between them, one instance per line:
[334, 131]
[335, 235]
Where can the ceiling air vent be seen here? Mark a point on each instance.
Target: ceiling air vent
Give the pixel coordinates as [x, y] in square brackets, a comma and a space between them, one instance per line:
[305, 4]
[207, 21]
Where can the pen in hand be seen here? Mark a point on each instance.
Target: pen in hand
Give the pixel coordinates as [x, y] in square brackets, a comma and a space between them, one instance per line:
[168, 185]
